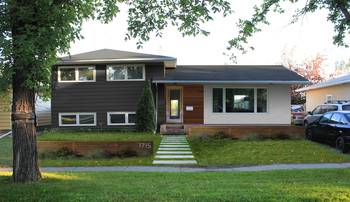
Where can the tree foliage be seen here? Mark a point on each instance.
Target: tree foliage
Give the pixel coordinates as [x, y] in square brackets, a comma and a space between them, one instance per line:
[338, 14]
[49, 27]
[146, 112]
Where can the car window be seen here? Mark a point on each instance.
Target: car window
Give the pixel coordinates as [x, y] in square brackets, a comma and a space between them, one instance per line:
[328, 108]
[346, 107]
[326, 118]
[336, 118]
[343, 120]
[317, 110]
[347, 117]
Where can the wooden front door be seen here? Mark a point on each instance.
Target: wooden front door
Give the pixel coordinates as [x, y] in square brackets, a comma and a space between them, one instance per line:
[174, 102]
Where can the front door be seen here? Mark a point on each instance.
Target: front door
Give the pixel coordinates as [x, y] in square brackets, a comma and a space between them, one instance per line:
[174, 104]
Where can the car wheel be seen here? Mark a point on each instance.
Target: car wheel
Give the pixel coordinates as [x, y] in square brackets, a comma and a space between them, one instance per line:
[309, 134]
[340, 145]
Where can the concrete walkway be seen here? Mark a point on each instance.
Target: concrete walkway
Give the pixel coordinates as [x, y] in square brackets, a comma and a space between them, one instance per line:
[193, 169]
[174, 150]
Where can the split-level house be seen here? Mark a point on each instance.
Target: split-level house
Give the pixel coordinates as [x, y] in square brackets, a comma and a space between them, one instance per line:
[101, 89]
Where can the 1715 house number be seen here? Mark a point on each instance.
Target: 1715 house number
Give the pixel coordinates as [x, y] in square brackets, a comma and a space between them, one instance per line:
[145, 145]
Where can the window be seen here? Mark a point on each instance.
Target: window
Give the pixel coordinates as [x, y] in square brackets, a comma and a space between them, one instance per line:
[125, 72]
[121, 118]
[336, 118]
[77, 119]
[346, 107]
[326, 118]
[329, 98]
[317, 110]
[328, 108]
[218, 105]
[76, 74]
[261, 100]
[239, 100]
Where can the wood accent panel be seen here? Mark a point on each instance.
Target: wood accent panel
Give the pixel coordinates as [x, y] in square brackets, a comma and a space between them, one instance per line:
[193, 96]
[241, 131]
[142, 148]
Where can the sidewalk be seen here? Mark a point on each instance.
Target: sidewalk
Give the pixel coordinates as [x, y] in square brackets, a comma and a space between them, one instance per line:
[193, 169]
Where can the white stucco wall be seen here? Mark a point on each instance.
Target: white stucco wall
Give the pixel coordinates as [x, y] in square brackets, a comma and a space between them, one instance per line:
[278, 107]
[318, 96]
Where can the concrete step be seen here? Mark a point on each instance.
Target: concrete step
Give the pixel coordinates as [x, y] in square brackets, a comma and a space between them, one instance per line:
[173, 146]
[174, 149]
[175, 162]
[174, 152]
[174, 157]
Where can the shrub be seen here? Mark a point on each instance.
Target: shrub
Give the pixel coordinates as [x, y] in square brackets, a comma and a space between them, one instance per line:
[145, 113]
[221, 135]
[63, 152]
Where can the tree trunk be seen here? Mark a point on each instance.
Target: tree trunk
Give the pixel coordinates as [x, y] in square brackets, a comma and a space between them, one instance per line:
[25, 158]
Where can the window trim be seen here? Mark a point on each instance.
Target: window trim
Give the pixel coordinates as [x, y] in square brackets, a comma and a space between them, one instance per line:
[109, 123]
[255, 100]
[76, 69]
[77, 116]
[126, 76]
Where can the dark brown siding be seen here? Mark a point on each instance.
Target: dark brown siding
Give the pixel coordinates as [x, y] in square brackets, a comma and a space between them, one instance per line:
[161, 104]
[193, 96]
[101, 96]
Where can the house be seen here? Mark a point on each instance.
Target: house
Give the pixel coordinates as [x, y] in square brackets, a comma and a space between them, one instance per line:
[101, 89]
[336, 89]
[42, 110]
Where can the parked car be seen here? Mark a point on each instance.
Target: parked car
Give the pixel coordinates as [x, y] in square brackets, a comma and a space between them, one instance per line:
[315, 114]
[297, 114]
[332, 127]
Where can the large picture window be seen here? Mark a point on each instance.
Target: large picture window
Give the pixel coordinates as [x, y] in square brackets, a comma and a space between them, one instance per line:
[76, 74]
[121, 118]
[125, 72]
[77, 119]
[239, 100]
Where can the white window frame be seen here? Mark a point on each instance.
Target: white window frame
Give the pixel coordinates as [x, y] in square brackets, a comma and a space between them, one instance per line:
[109, 123]
[77, 116]
[76, 73]
[329, 98]
[125, 66]
[255, 100]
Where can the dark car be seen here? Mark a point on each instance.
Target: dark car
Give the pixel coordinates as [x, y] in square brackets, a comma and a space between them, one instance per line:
[332, 127]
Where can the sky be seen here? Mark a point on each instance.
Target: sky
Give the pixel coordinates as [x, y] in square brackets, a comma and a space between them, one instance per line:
[311, 35]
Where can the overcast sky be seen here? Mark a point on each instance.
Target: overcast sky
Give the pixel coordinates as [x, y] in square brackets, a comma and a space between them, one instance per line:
[311, 35]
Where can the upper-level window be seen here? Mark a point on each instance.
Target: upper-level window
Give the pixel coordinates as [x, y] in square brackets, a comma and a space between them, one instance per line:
[77, 74]
[126, 72]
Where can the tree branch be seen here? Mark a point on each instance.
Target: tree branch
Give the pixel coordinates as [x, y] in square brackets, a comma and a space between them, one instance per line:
[344, 10]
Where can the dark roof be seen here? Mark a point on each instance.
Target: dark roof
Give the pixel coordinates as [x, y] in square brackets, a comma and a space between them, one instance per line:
[232, 74]
[109, 55]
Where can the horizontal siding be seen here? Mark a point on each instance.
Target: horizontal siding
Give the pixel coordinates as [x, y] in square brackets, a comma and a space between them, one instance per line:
[5, 114]
[101, 96]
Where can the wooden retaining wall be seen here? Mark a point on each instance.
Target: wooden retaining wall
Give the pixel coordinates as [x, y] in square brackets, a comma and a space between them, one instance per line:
[142, 148]
[242, 131]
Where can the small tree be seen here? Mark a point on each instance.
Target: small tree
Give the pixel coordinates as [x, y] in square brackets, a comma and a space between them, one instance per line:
[145, 114]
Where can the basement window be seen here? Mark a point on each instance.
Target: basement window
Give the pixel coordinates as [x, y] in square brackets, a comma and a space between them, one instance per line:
[77, 119]
[121, 118]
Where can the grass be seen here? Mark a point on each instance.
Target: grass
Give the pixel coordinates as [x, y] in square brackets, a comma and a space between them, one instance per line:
[6, 148]
[298, 185]
[221, 152]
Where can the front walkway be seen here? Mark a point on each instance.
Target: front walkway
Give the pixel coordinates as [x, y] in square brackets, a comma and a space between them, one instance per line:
[193, 169]
[174, 150]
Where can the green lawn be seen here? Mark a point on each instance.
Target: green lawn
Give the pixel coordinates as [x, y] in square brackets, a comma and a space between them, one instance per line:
[212, 152]
[6, 148]
[298, 185]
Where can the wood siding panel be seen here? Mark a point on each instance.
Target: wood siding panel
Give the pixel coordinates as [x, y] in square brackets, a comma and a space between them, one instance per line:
[5, 114]
[101, 96]
[193, 96]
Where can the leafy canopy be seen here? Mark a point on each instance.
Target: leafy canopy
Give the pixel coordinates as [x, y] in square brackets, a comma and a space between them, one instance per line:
[33, 32]
[338, 14]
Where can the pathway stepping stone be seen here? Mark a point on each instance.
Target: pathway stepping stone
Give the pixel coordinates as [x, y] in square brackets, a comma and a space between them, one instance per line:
[174, 150]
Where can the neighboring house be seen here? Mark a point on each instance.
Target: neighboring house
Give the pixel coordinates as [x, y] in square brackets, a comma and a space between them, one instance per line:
[42, 110]
[101, 89]
[337, 89]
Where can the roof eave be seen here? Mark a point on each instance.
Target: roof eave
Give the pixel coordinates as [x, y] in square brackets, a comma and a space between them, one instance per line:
[230, 82]
[319, 87]
[100, 61]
